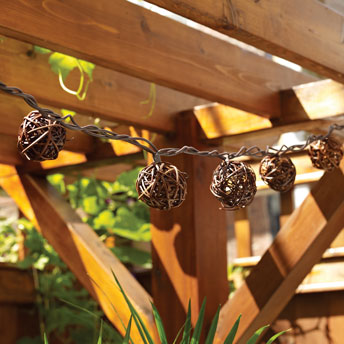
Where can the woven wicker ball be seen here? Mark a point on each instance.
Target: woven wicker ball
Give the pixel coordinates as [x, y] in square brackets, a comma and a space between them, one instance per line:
[162, 186]
[325, 154]
[278, 172]
[234, 184]
[40, 138]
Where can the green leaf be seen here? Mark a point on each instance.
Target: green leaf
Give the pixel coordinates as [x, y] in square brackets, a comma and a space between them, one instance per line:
[231, 335]
[106, 219]
[178, 334]
[92, 205]
[45, 339]
[271, 340]
[198, 328]
[127, 332]
[57, 181]
[100, 338]
[138, 321]
[127, 254]
[131, 227]
[88, 68]
[159, 325]
[61, 63]
[41, 50]
[187, 327]
[213, 326]
[256, 335]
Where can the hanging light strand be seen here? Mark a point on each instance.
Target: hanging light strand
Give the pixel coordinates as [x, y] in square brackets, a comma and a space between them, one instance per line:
[95, 131]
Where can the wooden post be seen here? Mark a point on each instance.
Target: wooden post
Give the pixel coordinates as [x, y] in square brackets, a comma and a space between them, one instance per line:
[243, 233]
[189, 242]
[298, 246]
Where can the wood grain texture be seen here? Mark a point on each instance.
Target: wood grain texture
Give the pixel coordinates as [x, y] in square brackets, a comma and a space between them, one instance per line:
[129, 39]
[242, 233]
[81, 249]
[16, 286]
[111, 96]
[298, 246]
[306, 33]
[189, 243]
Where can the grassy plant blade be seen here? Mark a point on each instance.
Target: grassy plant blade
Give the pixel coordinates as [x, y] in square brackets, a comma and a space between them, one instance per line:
[213, 326]
[271, 340]
[138, 321]
[100, 338]
[159, 325]
[187, 327]
[231, 335]
[178, 334]
[127, 332]
[256, 335]
[45, 339]
[80, 308]
[198, 328]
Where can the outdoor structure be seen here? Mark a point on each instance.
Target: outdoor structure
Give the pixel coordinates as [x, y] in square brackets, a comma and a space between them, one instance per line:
[210, 93]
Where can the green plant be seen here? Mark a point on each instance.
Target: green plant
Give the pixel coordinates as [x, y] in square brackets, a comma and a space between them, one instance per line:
[112, 210]
[62, 65]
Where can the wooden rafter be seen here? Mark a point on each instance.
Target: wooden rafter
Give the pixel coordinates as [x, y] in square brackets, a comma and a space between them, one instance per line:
[298, 246]
[111, 96]
[127, 38]
[80, 248]
[305, 32]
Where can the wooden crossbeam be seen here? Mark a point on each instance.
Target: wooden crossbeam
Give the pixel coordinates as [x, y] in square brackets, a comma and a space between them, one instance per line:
[125, 37]
[300, 107]
[80, 248]
[111, 96]
[298, 246]
[306, 32]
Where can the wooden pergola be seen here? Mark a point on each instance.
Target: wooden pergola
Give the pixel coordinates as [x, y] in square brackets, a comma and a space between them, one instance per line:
[210, 93]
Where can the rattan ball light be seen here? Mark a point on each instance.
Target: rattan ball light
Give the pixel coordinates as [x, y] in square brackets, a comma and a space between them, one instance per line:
[278, 172]
[234, 184]
[325, 154]
[40, 138]
[161, 185]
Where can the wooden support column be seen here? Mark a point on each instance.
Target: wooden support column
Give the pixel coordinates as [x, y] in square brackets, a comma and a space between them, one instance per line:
[80, 248]
[243, 233]
[299, 245]
[286, 206]
[189, 242]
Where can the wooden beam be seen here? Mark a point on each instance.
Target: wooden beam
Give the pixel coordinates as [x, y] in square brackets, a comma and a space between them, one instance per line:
[320, 100]
[16, 285]
[189, 241]
[306, 33]
[130, 39]
[81, 249]
[111, 96]
[242, 233]
[297, 247]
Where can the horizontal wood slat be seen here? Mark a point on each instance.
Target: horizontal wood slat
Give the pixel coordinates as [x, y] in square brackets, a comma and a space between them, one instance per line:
[298, 246]
[130, 39]
[305, 32]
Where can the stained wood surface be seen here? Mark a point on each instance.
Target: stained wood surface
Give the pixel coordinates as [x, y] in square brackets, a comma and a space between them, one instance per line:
[111, 96]
[306, 32]
[16, 286]
[130, 39]
[189, 243]
[242, 233]
[298, 246]
[81, 249]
